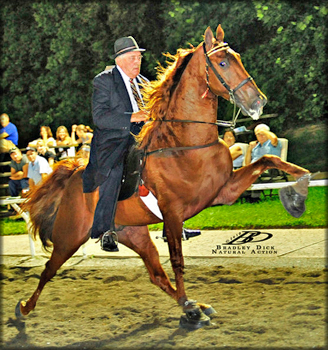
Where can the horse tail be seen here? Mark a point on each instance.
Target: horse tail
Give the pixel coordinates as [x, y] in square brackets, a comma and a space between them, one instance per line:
[43, 201]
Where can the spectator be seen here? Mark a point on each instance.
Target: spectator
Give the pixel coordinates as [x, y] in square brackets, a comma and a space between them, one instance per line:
[83, 132]
[45, 152]
[46, 136]
[8, 134]
[62, 136]
[63, 139]
[18, 180]
[38, 168]
[267, 143]
[236, 151]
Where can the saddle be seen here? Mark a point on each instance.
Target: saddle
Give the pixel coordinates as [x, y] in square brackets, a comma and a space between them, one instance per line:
[131, 172]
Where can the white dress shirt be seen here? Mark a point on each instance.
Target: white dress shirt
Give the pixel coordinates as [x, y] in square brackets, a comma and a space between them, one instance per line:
[126, 80]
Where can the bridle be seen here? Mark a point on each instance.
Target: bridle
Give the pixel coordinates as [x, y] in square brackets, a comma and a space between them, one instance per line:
[209, 64]
[232, 92]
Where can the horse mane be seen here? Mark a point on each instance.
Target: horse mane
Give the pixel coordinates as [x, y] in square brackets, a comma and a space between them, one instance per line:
[43, 200]
[157, 93]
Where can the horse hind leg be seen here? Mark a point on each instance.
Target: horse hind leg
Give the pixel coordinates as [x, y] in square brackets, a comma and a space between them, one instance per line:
[292, 197]
[138, 239]
[23, 308]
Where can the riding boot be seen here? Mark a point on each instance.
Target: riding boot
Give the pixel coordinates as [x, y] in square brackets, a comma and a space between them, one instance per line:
[109, 241]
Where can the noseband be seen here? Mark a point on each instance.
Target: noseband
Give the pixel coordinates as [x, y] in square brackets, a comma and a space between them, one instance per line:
[209, 63]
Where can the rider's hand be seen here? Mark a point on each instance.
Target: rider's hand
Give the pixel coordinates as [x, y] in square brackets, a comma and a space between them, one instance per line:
[140, 116]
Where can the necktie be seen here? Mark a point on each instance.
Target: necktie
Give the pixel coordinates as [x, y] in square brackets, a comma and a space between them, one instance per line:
[136, 95]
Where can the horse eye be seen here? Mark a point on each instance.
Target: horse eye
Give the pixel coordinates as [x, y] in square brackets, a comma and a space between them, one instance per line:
[223, 64]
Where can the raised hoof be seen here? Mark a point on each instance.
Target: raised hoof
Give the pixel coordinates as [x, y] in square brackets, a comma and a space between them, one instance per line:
[18, 312]
[292, 201]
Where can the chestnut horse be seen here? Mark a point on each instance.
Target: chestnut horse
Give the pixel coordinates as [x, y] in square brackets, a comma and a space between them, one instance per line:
[187, 168]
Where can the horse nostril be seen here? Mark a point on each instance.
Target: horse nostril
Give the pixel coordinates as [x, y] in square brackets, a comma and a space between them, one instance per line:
[259, 102]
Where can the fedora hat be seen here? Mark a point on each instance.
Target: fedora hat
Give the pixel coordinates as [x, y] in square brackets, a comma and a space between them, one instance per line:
[124, 45]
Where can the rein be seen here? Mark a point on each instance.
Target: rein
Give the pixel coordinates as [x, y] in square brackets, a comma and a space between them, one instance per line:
[218, 122]
[183, 148]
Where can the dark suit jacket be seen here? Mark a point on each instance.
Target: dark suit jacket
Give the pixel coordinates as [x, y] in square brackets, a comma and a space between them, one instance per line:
[111, 111]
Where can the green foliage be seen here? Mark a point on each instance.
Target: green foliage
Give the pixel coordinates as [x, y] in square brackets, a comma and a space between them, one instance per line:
[53, 49]
[293, 61]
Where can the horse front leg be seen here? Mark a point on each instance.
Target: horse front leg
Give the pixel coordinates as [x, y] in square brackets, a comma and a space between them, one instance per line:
[292, 197]
[195, 315]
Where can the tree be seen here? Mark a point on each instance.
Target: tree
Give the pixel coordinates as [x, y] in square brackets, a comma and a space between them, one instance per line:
[52, 51]
[292, 70]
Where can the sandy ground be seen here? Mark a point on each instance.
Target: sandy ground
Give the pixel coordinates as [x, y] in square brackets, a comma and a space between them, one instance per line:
[108, 302]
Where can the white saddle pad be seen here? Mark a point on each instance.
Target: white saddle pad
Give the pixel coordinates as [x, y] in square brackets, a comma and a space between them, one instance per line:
[151, 202]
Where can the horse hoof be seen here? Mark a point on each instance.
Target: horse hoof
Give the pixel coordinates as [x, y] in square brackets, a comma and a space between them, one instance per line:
[18, 312]
[193, 324]
[292, 201]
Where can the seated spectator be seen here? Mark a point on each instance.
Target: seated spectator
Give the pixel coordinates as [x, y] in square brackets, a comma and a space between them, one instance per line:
[18, 180]
[84, 134]
[8, 134]
[45, 136]
[46, 153]
[63, 139]
[236, 151]
[267, 143]
[62, 136]
[38, 167]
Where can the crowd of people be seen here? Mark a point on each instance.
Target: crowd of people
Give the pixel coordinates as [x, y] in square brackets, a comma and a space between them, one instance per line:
[29, 169]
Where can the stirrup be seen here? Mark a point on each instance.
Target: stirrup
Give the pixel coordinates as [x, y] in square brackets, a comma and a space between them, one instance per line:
[109, 241]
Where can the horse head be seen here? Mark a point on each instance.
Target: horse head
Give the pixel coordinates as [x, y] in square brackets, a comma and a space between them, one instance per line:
[227, 77]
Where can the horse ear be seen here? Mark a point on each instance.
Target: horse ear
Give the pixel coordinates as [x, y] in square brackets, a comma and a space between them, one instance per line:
[219, 33]
[208, 38]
